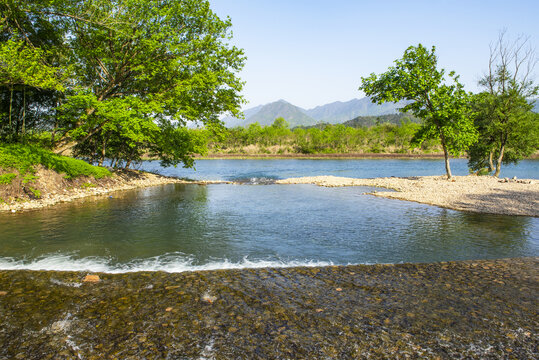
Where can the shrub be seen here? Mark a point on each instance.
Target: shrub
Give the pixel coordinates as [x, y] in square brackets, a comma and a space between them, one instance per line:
[6, 179]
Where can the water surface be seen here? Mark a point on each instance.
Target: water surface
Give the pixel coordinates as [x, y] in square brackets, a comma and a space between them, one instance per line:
[234, 170]
[190, 227]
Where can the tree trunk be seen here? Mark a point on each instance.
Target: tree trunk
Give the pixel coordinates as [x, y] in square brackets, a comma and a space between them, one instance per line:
[446, 156]
[23, 111]
[499, 161]
[490, 161]
[10, 106]
[103, 151]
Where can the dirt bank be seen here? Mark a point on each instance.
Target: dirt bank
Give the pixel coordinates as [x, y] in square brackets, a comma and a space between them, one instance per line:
[469, 193]
[54, 188]
[454, 310]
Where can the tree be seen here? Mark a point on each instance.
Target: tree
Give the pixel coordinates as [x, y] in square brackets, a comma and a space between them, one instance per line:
[507, 126]
[23, 71]
[141, 69]
[444, 108]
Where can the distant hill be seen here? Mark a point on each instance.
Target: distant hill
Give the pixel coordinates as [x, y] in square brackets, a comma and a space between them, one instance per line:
[233, 122]
[368, 121]
[294, 115]
[338, 112]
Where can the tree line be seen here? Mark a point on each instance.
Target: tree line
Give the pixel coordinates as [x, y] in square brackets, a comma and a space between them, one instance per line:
[278, 138]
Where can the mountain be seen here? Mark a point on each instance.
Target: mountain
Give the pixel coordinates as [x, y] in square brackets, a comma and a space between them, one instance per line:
[266, 115]
[233, 122]
[368, 121]
[338, 112]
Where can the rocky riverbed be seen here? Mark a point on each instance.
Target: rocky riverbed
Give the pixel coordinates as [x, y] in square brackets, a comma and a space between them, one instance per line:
[452, 310]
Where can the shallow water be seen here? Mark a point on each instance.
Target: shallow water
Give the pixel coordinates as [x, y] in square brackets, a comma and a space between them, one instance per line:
[457, 310]
[191, 227]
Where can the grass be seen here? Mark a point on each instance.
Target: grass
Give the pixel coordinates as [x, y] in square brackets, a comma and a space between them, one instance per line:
[6, 179]
[24, 158]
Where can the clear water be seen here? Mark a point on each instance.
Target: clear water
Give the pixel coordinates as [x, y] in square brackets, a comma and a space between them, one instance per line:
[233, 170]
[191, 227]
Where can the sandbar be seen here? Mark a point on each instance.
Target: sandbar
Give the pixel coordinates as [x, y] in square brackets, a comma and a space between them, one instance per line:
[484, 194]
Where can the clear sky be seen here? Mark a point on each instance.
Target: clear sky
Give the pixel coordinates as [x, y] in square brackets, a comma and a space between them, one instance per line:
[312, 52]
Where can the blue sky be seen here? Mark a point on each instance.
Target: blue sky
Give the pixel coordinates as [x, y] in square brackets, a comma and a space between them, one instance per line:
[312, 52]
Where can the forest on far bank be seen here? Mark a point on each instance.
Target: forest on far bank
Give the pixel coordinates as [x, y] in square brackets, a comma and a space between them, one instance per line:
[393, 133]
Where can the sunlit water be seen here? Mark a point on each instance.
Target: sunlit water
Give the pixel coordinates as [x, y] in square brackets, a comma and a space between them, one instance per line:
[191, 227]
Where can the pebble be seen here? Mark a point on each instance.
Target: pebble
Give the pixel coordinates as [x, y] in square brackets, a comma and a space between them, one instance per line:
[91, 278]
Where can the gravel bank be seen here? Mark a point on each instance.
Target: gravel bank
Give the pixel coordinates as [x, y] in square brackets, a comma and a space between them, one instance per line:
[468, 193]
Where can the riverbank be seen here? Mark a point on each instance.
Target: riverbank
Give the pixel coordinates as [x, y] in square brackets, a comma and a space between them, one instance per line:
[328, 156]
[54, 188]
[484, 194]
[452, 310]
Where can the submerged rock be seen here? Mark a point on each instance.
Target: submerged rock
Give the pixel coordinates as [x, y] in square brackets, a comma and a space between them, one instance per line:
[383, 311]
[91, 278]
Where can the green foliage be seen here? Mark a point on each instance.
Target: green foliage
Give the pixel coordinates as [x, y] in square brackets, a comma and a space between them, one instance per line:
[23, 65]
[29, 178]
[24, 158]
[138, 71]
[444, 108]
[389, 138]
[508, 127]
[6, 179]
[35, 192]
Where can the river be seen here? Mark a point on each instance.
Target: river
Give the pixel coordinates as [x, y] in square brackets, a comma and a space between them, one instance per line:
[180, 227]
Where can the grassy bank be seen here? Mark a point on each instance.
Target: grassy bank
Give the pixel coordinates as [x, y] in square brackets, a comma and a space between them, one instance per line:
[24, 159]
[29, 171]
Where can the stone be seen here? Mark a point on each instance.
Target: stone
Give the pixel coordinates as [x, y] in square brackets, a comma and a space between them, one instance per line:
[91, 278]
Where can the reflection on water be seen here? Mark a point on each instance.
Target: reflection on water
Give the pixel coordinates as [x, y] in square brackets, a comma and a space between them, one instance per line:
[181, 227]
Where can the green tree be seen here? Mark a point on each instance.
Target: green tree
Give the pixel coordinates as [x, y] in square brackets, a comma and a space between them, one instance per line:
[443, 107]
[23, 70]
[141, 70]
[507, 126]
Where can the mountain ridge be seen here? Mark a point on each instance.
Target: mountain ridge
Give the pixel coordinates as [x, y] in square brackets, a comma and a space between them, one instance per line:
[332, 113]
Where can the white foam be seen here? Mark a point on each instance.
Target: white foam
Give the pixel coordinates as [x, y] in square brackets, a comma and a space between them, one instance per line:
[172, 263]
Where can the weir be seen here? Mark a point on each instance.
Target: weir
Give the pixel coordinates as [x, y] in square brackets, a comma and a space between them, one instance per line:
[471, 309]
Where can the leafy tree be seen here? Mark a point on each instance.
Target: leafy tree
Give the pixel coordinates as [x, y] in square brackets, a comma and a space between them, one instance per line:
[140, 70]
[509, 130]
[30, 78]
[443, 107]
[280, 123]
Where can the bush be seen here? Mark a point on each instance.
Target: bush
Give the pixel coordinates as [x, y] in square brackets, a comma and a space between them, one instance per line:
[6, 179]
